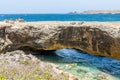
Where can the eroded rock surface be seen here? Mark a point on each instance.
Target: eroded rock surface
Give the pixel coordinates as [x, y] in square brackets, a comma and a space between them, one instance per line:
[18, 65]
[99, 38]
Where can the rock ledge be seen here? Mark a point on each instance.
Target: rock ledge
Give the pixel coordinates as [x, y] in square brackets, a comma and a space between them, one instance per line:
[99, 38]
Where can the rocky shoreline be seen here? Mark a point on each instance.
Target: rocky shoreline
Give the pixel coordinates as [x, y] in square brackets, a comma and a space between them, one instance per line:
[19, 40]
[99, 38]
[22, 65]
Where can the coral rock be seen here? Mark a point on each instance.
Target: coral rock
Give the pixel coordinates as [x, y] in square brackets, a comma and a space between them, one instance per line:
[99, 38]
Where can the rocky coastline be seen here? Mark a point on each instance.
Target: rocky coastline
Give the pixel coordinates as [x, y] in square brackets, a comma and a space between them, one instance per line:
[22, 65]
[101, 12]
[99, 38]
[19, 40]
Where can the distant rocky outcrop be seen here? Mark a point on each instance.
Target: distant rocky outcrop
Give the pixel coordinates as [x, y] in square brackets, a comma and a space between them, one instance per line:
[74, 12]
[20, 20]
[99, 38]
[14, 21]
[102, 12]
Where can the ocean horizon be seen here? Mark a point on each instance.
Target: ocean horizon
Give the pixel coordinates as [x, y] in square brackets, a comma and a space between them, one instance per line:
[62, 17]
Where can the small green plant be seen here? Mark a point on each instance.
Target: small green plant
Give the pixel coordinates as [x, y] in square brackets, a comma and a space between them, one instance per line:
[65, 76]
[39, 78]
[2, 77]
[24, 62]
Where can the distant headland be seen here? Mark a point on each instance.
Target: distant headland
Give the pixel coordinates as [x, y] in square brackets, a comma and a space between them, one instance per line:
[101, 12]
[97, 12]
[74, 12]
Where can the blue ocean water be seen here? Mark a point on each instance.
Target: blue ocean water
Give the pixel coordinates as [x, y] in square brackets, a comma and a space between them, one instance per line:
[84, 65]
[78, 63]
[62, 17]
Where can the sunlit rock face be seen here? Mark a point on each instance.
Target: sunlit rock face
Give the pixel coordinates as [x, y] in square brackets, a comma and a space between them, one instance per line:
[99, 38]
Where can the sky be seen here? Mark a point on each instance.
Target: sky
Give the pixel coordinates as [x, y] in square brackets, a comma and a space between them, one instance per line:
[56, 6]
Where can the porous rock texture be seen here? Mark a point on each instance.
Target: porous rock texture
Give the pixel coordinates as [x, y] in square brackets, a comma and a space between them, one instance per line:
[20, 65]
[99, 38]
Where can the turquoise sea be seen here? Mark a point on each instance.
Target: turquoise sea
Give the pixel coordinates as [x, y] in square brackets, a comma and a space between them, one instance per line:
[83, 65]
[62, 17]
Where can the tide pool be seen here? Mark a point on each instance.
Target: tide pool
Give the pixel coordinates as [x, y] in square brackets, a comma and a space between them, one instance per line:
[83, 65]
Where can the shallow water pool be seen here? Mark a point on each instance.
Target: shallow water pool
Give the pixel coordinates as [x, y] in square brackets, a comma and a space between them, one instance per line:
[84, 66]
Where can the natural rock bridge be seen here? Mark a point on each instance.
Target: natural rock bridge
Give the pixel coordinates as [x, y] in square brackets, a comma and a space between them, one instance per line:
[99, 38]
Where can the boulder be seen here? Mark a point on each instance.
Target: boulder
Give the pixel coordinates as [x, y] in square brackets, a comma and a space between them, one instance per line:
[20, 20]
[9, 21]
[99, 38]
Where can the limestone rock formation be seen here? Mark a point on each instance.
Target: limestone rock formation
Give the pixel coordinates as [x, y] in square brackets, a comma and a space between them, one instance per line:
[16, 65]
[99, 38]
